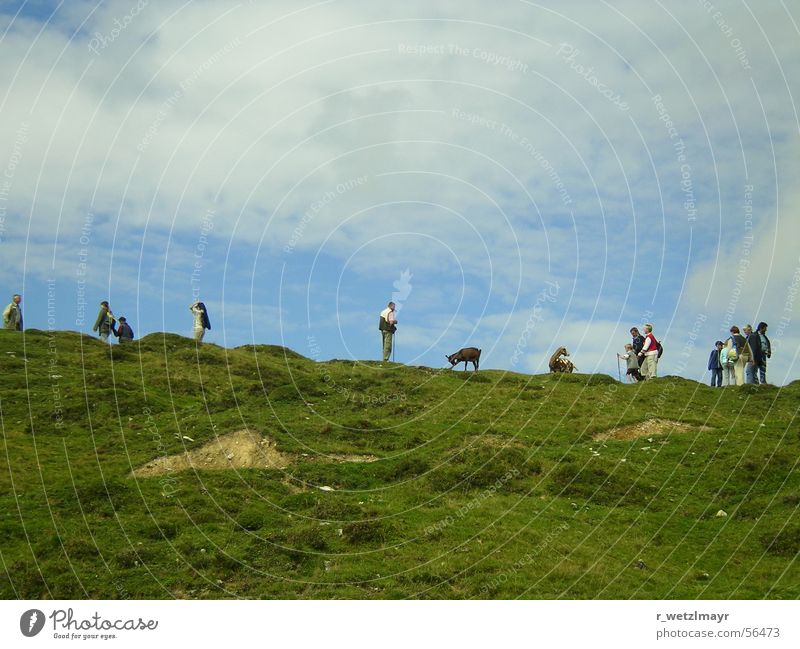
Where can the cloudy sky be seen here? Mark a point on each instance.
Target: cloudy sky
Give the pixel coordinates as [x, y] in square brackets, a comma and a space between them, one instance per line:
[517, 175]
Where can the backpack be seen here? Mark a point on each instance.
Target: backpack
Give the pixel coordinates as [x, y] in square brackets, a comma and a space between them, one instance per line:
[733, 354]
[206, 321]
[660, 349]
[384, 325]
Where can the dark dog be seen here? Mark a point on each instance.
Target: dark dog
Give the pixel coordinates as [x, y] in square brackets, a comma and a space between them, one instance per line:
[465, 355]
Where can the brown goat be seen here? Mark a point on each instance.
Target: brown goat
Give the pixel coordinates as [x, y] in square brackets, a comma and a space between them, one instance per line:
[465, 355]
[559, 364]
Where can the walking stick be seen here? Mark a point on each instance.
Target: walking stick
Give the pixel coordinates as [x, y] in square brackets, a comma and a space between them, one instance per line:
[394, 344]
[619, 371]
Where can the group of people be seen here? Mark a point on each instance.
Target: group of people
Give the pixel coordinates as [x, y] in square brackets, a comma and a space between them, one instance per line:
[742, 358]
[107, 324]
[642, 354]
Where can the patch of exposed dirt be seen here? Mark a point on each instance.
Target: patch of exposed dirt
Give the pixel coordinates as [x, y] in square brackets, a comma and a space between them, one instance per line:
[648, 428]
[242, 449]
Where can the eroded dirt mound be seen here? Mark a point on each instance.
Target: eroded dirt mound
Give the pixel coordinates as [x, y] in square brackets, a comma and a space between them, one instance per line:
[242, 449]
[648, 428]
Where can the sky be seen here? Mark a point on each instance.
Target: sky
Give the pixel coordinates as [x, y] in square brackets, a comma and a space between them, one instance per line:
[517, 176]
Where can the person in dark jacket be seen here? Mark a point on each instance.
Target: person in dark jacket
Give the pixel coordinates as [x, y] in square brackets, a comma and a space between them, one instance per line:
[715, 365]
[766, 352]
[123, 331]
[754, 342]
[105, 321]
[638, 343]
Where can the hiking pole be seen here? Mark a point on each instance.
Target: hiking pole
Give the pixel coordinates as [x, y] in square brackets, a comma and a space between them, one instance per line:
[394, 344]
[619, 371]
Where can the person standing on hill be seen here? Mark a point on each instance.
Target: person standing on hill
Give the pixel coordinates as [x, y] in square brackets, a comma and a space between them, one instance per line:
[728, 376]
[632, 362]
[124, 331]
[201, 321]
[387, 325]
[738, 352]
[105, 321]
[766, 352]
[754, 342]
[649, 353]
[715, 364]
[637, 342]
[12, 314]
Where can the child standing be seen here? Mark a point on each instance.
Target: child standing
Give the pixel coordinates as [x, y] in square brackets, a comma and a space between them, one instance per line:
[632, 360]
[728, 376]
[715, 364]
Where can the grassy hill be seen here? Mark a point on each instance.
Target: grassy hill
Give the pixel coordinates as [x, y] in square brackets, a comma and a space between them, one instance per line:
[364, 481]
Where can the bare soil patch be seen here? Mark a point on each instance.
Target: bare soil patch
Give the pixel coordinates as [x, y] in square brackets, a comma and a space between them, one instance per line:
[648, 428]
[243, 449]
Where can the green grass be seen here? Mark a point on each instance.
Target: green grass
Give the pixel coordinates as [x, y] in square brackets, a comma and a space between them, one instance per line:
[488, 485]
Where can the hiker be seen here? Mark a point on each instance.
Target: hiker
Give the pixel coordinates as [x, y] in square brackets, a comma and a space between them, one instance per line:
[12, 314]
[766, 352]
[649, 353]
[638, 343]
[632, 360]
[754, 342]
[105, 321]
[715, 364]
[124, 331]
[728, 376]
[738, 352]
[201, 321]
[387, 325]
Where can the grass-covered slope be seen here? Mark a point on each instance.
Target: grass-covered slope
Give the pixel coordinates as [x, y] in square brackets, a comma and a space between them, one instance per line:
[485, 485]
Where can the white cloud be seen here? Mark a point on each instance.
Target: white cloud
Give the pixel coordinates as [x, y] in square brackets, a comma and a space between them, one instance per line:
[492, 142]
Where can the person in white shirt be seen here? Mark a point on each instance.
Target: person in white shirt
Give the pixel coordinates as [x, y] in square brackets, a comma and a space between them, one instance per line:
[201, 322]
[387, 325]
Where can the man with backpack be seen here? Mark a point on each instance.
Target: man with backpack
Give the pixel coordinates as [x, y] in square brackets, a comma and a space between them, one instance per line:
[201, 321]
[105, 321]
[738, 352]
[651, 350]
[387, 326]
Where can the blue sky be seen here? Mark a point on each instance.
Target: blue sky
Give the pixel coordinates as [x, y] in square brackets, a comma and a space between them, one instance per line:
[528, 175]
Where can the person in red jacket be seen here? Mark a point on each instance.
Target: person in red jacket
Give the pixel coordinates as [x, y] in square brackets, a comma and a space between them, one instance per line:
[649, 353]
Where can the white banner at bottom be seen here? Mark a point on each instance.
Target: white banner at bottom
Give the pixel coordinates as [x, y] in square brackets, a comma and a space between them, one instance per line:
[401, 624]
